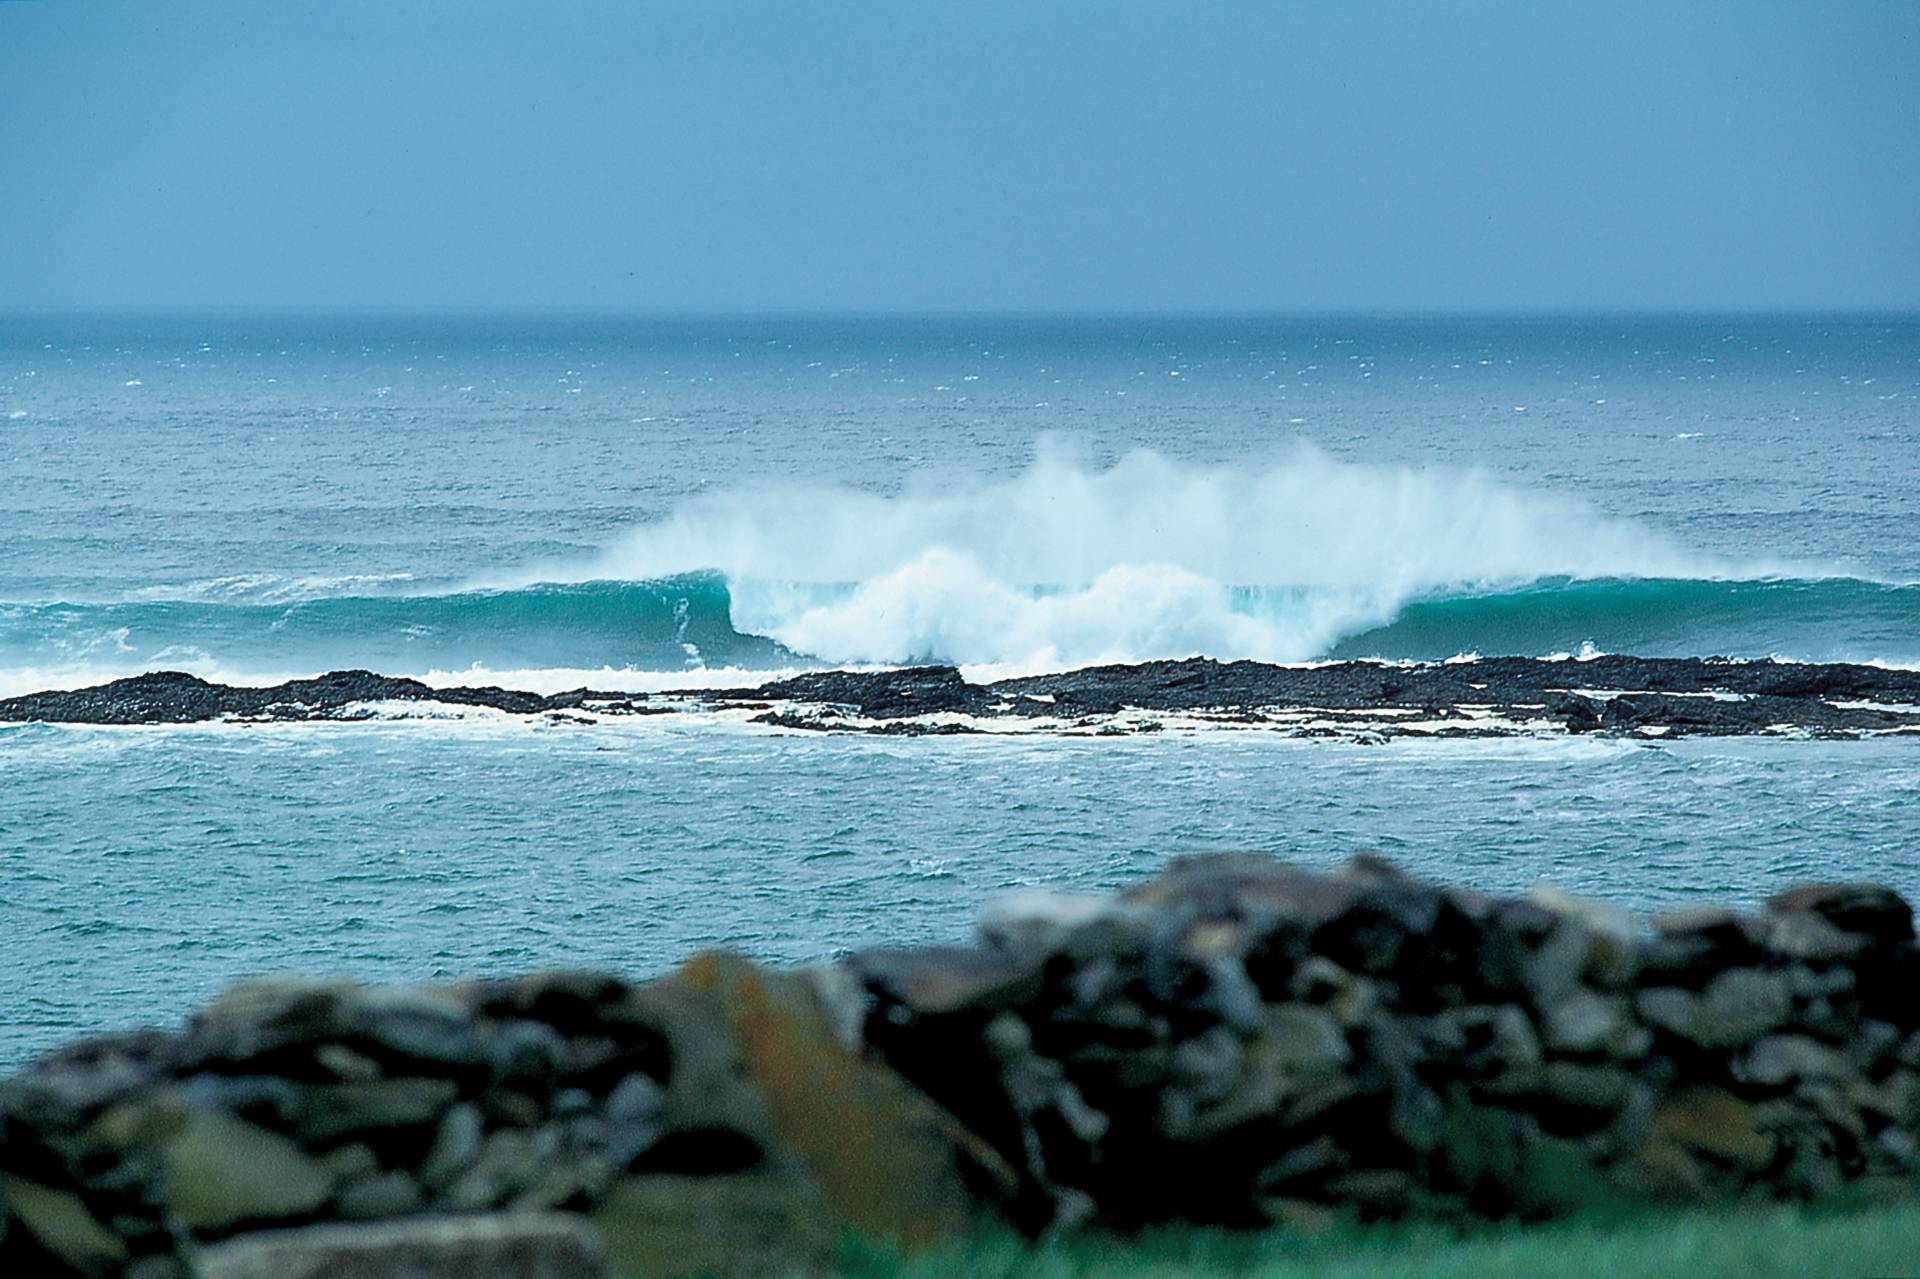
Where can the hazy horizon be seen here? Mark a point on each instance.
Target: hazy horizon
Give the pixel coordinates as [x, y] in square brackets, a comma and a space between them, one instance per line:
[1860, 314]
[746, 158]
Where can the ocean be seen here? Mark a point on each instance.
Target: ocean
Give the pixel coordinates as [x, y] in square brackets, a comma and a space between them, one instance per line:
[659, 503]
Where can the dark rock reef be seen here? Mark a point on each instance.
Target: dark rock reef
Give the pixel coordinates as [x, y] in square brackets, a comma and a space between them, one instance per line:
[1646, 697]
[1238, 1042]
[173, 697]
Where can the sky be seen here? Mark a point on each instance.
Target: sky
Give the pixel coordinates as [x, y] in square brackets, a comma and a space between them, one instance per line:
[711, 156]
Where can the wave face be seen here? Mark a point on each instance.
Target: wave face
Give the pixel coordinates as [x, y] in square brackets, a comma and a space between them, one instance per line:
[1064, 565]
[1069, 565]
[590, 630]
[677, 624]
[1815, 620]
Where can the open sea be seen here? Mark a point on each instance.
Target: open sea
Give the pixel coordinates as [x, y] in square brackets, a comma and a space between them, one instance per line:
[553, 503]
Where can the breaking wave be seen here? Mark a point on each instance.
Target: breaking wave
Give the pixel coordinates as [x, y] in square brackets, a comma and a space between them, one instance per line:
[1063, 565]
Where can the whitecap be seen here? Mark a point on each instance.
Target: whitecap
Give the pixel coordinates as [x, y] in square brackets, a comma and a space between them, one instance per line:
[1070, 565]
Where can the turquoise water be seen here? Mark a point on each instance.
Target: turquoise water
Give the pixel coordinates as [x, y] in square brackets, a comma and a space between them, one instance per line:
[147, 867]
[564, 502]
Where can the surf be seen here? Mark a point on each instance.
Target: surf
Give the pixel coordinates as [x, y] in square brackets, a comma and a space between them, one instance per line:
[675, 624]
[1065, 564]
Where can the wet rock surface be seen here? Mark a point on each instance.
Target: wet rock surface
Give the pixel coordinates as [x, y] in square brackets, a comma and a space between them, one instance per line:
[1238, 1042]
[1629, 696]
[173, 697]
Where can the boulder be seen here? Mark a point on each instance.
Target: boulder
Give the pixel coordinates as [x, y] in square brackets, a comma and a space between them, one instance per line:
[510, 1160]
[1555, 968]
[708, 1114]
[1208, 1065]
[1032, 925]
[1613, 937]
[1870, 911]
[1663, 1170]
[632, 1119]
[1303, 1042]
[573, 1001]
[267, 1100]
[346, 1065]
[1779, 1060]
[155, 1265]
[940, 981]
[423, 1026]
[356, 1159]
[220, 1172]
[1806, 936]
[456, 1145]
[1351, 1000]
[770, 1222]
[1714, 1122]
[72, 1083]
[1224, 990]
[890, 1161]
[1691, 944]
[379, 1194]
[1372, 1193]
[1363, 913]
[1582, 1022]
[1736, 1008]
[334, 1111]
[524, 1245]
[1285, 1071]
[254, 1020]
[1895, 1099]
[1485, 1042]
[62, 1225]
[1585, 1087]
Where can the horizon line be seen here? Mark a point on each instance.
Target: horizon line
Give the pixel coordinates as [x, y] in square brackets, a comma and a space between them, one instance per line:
[957, 313]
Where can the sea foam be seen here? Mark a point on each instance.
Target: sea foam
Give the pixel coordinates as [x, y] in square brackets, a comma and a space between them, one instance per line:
[1063, 565]
[1069, 564]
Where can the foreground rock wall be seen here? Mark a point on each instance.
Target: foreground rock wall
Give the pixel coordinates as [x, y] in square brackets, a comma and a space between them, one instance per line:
[1237, 1042]
[1240, 1040]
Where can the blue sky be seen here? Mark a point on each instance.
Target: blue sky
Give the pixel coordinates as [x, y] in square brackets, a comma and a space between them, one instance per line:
[983, 156]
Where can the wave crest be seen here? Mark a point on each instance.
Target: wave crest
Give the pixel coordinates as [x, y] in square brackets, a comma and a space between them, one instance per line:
[1063, 565]
[1066, 564]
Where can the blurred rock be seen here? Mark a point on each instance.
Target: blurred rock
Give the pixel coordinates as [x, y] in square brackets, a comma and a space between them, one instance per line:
[221, 1172]
[770, 1222]
[889, 1160]
[1233, 1042]
[522, 1245]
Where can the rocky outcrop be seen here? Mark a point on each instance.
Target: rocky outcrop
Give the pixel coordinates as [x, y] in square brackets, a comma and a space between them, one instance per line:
[1623, 696]
[1238, 1042]
[173, 697]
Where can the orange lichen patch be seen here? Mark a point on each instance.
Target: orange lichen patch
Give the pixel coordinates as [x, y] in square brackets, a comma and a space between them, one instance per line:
[888, 1158]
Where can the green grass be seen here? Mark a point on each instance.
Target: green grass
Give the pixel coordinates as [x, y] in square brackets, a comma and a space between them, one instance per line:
[1756, 1243]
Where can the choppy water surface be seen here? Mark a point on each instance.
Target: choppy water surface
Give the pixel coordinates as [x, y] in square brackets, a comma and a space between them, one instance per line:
[565, 502]
[143, 869]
